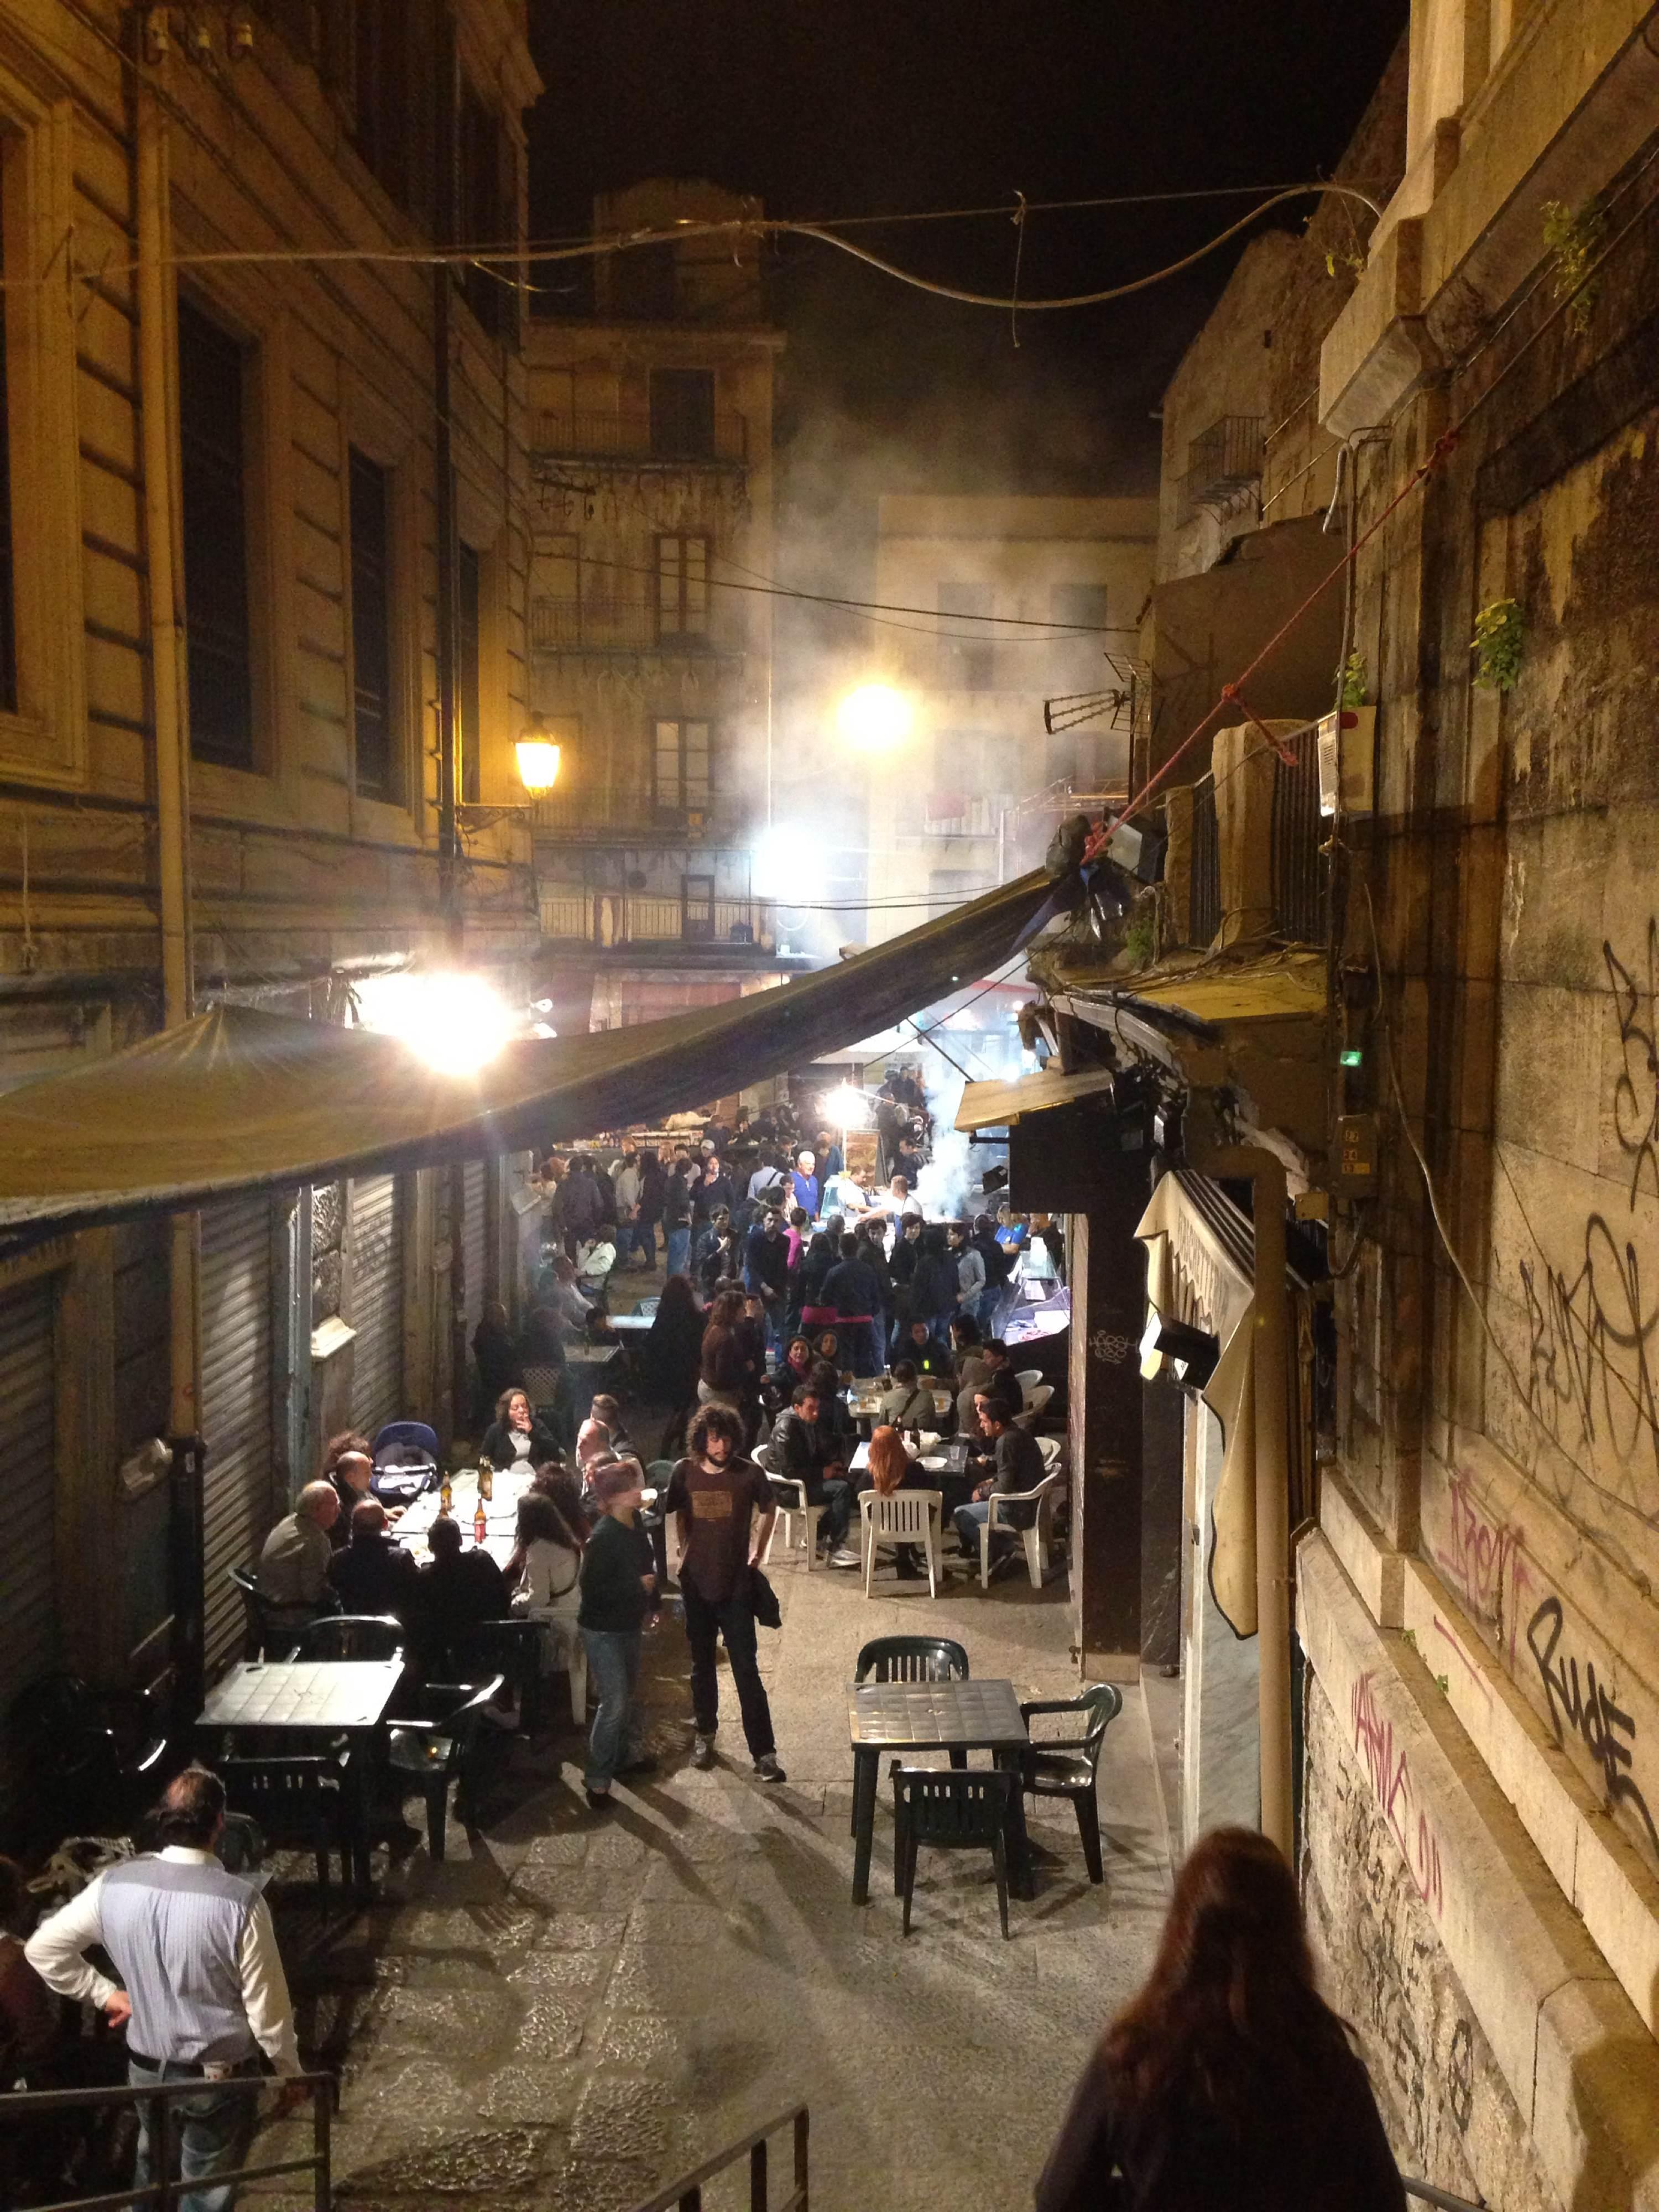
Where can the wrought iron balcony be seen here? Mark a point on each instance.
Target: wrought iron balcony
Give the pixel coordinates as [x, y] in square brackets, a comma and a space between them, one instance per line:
[1223, 464]
[633, 435]
[614, 625]
[638, 917]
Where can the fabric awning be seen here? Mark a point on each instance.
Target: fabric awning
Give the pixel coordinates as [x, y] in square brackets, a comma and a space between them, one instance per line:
[997, 1105]
[238, 1099]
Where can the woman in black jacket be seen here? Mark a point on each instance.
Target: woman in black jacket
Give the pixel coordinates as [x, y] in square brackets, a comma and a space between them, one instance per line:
[1229, 2084]
[517, 1433]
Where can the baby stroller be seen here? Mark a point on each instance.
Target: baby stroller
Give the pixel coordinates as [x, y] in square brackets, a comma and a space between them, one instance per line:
[406, 1462]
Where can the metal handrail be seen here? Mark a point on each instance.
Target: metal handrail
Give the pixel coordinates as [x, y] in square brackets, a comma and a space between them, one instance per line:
[1444, 2197]
[685, 2195]
[167, 2193]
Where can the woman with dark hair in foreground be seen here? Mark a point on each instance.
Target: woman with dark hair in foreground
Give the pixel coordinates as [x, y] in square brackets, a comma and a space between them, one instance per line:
[1228, 2083]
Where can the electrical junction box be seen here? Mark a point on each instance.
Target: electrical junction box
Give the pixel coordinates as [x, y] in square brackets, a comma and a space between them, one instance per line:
[1355, 1154]
[1347, 758]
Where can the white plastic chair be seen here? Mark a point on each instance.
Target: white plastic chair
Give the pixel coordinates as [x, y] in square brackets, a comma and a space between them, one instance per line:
[1051, 1449]
[1035, 1539]
[1027, 1379]
[788, 1514]
[1032, 1411]
[909, 1517]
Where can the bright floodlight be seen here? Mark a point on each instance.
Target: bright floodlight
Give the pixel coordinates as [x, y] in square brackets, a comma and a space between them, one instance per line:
[455, 1023]
[846, 1106]
[875, 718]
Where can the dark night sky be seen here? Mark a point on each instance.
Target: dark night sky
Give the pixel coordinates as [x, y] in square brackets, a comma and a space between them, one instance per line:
[838, 108]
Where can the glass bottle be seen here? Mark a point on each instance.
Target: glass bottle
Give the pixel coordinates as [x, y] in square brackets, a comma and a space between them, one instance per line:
[479, 1524]
[444, 1499]
[486, 1481]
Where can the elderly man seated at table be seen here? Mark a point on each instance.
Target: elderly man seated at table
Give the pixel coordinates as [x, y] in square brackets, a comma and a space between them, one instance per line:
[349, 1464]
[1008, 1463]
[461, 1587]
[292, 1577]
[372, 1573]
[803, 1449]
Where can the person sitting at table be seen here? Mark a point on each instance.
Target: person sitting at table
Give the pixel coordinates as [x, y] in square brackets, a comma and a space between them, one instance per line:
[987, 1368]
[292, 1576]
[517, 1433]
[927, 1354]
[549, 1550]
[796, 1366]
[910, 1403]
[1014, 1464]
[891, 1469]
[834, 1415]
[605, 1418]
[459, 1589]
[349, 1464]
[802, 1450]
[372, 1572]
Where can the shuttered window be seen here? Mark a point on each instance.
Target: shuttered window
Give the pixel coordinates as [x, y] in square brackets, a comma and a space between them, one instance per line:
[682, 413]
[212, 439]
[28, 1610]
[681, 767]
[371, 627]
[682, 587]
[376, 1303]
[7, 602]
[469, 736]
[238, 1502]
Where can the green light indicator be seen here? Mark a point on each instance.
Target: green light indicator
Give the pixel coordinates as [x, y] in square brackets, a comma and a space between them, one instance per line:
[1352, 1057]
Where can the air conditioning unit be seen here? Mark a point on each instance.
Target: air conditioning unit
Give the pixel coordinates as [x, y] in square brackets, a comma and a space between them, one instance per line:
[1348, 754]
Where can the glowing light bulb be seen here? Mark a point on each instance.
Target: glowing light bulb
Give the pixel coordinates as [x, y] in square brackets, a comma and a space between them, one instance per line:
[875, 718]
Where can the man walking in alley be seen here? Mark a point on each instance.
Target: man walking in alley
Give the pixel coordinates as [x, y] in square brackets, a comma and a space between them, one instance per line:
[619, 1585]
[204, 1990]
[725, 1515]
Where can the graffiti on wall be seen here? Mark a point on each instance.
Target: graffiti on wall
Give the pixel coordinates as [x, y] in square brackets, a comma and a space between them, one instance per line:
[1585, 1707]
[1594, 1335]
[1485, 1560]
[1390, 1773]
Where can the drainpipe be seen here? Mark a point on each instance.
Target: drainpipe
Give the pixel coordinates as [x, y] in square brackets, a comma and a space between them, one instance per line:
[167, 689]
[1271, 1348]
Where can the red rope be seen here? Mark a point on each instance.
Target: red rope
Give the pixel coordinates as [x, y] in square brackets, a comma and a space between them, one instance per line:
[1232, 694]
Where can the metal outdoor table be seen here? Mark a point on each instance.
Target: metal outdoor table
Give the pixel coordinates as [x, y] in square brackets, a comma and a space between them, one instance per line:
[933, 1717]
[328, 1697]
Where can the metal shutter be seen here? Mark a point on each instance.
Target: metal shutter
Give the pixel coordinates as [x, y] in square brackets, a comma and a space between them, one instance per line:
[377, 1302]
[28, 1609]
[238, 1503]
[472, 1242]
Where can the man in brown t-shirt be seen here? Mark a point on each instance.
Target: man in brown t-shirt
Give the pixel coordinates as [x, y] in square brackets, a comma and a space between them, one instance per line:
[717, 1493]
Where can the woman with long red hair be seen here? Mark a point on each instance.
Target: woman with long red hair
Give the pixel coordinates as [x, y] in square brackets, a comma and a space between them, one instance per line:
[1229, 2085]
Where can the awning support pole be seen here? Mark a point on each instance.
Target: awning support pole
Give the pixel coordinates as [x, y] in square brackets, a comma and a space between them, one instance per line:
[1273, 1484]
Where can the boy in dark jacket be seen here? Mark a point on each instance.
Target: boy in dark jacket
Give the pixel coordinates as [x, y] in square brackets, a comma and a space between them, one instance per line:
[618, 1587]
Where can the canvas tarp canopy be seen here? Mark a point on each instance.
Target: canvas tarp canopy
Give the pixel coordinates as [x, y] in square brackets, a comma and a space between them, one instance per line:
[237, 1098]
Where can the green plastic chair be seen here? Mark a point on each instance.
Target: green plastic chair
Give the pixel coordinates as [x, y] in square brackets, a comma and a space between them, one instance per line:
[1066, 1766]
[912, 1659]
[951, 1812]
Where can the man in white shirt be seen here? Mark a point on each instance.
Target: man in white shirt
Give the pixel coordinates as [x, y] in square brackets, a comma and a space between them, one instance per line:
[205, 1994]
[625, 1181]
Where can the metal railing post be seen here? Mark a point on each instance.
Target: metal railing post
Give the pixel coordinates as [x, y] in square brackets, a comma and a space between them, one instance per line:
[322, 2144]
[802, 2124]
[692, 2200]
[161, 2150]
[757, 2177]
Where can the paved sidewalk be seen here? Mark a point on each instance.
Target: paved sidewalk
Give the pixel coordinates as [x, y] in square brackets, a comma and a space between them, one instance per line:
[581, 2006]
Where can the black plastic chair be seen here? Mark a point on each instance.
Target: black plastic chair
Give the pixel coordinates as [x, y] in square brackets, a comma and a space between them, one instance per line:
[305, 1803]
[509, 1647]
[430, 1751]
[1066, 1766]
[74, 1777]
[912, 1659]
[350, 1636]
[952, 1812]
[260, 1631]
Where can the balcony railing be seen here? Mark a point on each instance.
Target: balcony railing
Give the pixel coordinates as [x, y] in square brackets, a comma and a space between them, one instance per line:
[1298, 868]
[627, 434]
[639, 918]
[611, 625]
[959, 814]
[1204, 915]
[1222, 463]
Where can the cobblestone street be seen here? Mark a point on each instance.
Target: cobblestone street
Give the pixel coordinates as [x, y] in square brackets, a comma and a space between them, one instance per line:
[578, 2007]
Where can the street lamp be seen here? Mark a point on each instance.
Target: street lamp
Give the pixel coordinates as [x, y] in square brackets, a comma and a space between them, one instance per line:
[875, 718]
[537, 753]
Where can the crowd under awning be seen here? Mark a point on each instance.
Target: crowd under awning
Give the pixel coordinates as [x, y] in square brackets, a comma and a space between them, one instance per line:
[237, 1099]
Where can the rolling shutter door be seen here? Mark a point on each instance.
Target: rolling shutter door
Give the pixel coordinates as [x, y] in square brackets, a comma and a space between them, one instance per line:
[28, 1610]
[472, 1242]
[377, 1302]
[238, 1507]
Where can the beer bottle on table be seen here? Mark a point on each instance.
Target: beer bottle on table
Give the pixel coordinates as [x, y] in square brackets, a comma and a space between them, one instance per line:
[443, 1494]
[479, 1524]
[486, 1481]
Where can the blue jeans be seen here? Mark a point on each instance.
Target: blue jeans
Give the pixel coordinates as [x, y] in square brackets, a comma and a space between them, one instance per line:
[212, 2132]
[860, 1346]
[638, 1236]
[679, 1248]
[613, 1667]
[970, 1519]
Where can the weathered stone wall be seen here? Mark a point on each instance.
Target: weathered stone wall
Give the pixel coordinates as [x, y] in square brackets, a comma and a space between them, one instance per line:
[1445, 2103]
